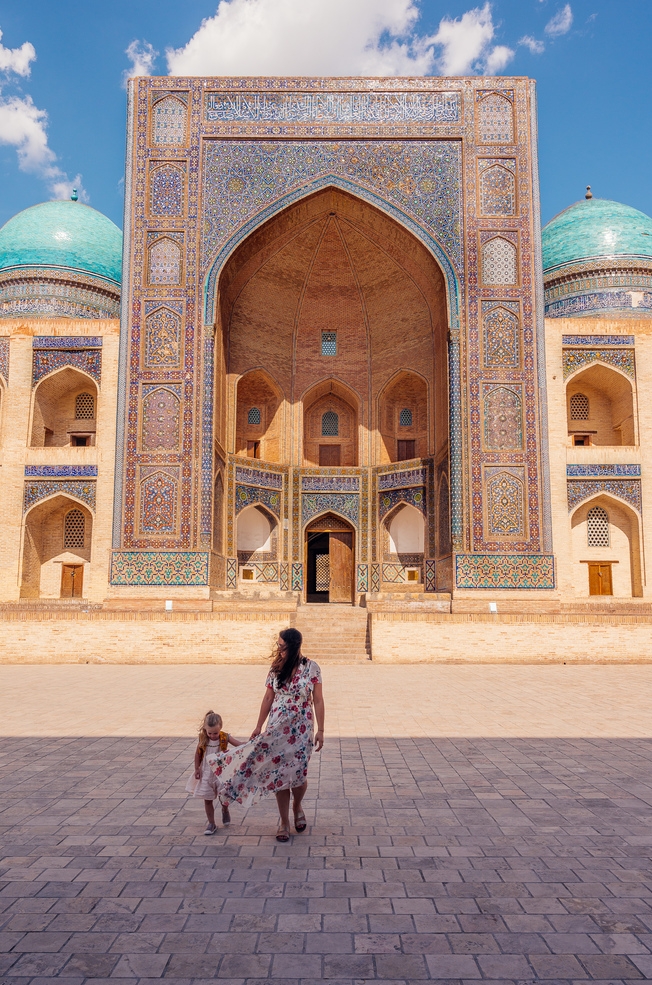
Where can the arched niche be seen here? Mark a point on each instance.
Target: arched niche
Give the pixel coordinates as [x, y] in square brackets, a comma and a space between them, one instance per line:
[332, 264]
[64, 410]
[403, 416]
[218, 514]
[258, 411]
[57, 542]
[444, 538]
[605, 397]
[330, 426]
[405, 531]
[256, 535]
[619, 546]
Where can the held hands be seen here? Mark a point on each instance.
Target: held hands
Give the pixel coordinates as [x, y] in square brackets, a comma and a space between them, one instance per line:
[255, 732]
[319, 739]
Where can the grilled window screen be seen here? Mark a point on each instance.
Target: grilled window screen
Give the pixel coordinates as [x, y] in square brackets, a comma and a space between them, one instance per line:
[74, 529]
[84, 407]
[405, 418]
[597, 527]
[253, 417]
[329, 343]
[579, 407]
[322, 572]
[330, 424]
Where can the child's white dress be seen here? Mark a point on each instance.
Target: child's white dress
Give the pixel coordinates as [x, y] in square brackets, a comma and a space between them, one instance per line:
[207, 786]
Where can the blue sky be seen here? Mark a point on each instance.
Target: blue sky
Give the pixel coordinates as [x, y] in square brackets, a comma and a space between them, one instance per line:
[62, 112]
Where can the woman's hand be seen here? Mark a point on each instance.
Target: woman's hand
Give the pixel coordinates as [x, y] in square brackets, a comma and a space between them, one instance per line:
[319, 740]
[255, 732]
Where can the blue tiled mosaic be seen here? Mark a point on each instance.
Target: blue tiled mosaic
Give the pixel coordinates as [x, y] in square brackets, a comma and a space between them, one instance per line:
[598, 471]
[579, 490]
[256, 477]
[61, 471]
[400, 480]
[39, 489]
[159, 568]
[332, 107]
[345, 504]
[69, 342]
[597, 340]
[330, 483]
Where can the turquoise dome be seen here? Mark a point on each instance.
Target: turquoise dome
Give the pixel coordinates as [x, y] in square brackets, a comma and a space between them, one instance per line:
[595, 227]
[63, 234]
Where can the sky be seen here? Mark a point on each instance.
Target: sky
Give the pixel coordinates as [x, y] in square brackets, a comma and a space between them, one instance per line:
[63, 65]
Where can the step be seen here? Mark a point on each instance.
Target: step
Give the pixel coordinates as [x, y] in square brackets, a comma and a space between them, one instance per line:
[334, 633]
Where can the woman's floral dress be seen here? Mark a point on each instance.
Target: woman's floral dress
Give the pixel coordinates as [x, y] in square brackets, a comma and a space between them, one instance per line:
[278, 758]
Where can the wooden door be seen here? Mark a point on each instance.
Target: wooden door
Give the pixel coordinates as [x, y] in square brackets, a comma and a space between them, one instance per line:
[341, 564]
[600, 579]
[329, 455]
[72, 581]
[405, 449]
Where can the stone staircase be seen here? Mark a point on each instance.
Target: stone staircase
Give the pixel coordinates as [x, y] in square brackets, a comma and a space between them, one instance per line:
[333, 633]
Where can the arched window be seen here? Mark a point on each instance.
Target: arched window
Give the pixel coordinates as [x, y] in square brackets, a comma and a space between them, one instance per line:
[579, 407]
[74, 529]
[84, 407]
[597, 527]
[330, 424]
[253, 417]
[405, 418]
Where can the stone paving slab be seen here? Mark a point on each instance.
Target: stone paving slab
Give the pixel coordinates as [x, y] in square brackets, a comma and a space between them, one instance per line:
[455, 858]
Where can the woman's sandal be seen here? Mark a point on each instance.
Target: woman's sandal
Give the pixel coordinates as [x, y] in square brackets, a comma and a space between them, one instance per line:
[283, 833]
[300, 822]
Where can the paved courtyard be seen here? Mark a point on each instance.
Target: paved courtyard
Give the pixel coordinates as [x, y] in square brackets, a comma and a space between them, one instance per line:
[476, 823]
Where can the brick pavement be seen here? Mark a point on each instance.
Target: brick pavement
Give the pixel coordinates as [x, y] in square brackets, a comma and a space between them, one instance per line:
[463, 841]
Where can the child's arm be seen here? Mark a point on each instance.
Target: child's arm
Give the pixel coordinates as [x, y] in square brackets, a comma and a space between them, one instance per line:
[199, 755]
[236, 742]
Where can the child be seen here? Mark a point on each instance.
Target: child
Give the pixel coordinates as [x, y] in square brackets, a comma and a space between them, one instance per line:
[203, 782]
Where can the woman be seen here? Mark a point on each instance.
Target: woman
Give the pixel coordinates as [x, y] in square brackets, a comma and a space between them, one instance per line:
[276, 760]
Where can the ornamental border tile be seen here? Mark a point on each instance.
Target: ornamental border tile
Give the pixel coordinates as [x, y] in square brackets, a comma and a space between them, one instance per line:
[61, 471]
[598, 471]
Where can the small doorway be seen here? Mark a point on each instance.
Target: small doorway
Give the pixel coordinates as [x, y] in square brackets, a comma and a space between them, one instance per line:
[72, 581]
[600, 581]
[329, 561]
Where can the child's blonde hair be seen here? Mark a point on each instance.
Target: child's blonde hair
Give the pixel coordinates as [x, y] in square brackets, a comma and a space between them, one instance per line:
[211, 720]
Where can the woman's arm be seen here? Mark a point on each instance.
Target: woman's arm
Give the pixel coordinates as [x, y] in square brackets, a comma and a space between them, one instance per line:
[265, 706]
[318, 703]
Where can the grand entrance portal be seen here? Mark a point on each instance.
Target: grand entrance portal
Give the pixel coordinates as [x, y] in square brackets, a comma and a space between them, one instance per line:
[330, 560]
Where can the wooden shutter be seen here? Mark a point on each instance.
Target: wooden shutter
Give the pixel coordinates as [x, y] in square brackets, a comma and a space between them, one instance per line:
[330, 455]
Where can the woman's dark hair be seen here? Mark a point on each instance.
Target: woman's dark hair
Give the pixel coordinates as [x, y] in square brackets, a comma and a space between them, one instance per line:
[285, 664]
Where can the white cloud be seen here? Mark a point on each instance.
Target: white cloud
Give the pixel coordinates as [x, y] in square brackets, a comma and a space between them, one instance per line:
[17, 59]
[336, 37]
[142, 56]
[561, 23]
[536, 47]
[497, 59]
[466, 44]
[24, 126]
